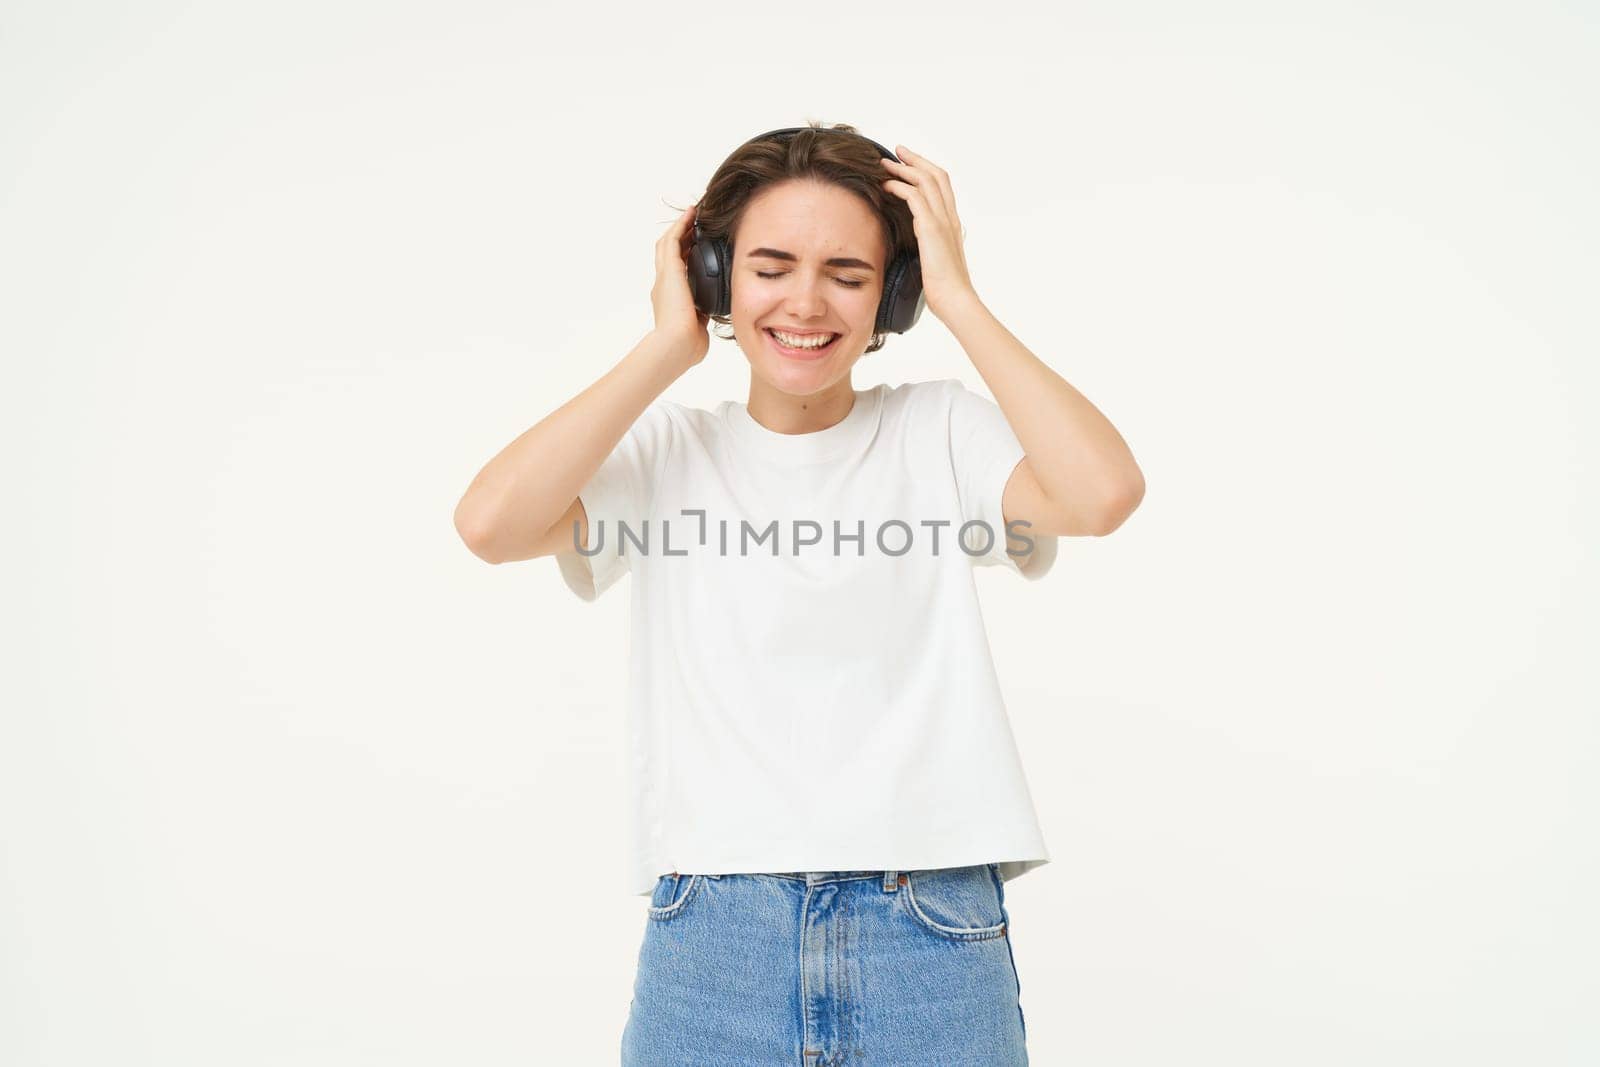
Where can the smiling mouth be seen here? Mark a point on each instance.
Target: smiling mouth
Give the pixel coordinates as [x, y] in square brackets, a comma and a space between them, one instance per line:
[811, 351]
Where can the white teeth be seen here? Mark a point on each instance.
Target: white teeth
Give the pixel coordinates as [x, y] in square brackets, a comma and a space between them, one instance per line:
[815, 341]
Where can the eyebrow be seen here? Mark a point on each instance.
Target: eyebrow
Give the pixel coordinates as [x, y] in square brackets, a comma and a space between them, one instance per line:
[836, 261]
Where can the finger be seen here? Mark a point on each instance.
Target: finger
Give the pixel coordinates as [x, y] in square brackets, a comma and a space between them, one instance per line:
[922, 208]
[678, 224]
[940, 176]
[919, 201]
[684, 227]
[673, 237]
[686, 242]
[927, 193]
[920, 178]
[905, 153]
[662, 244]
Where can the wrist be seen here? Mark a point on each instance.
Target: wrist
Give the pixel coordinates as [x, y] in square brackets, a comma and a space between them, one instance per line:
[665, 357]
[964, 304]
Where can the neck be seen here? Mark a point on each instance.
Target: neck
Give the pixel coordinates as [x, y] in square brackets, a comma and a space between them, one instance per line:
[783, 412]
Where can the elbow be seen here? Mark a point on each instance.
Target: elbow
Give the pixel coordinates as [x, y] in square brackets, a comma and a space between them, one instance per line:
[1120, 506]
[477, 531]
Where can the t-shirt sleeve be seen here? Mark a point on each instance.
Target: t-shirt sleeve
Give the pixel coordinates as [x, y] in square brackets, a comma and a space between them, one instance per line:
[983, 453]
[622, 490]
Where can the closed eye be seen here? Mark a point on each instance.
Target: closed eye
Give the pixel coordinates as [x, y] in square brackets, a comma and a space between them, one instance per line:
[848, 284]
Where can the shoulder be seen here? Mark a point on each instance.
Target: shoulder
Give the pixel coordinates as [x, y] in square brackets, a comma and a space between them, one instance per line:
[922, 401]
[674, 417]
[683, 420]
[934, 387]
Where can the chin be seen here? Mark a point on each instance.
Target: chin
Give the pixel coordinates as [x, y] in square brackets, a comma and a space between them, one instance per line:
[800, 377]
[803, 379]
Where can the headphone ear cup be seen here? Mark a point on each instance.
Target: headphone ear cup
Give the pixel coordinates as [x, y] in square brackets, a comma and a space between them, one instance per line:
[725, 279]
[708, 275]
[902, 302]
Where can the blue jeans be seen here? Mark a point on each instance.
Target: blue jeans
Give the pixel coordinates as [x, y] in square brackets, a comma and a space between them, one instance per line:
[827, 969]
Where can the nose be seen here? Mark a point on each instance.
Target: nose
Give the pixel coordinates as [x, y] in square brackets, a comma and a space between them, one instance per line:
[804, 299]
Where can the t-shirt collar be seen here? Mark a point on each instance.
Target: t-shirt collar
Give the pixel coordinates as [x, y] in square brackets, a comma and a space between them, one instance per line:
[815, 447]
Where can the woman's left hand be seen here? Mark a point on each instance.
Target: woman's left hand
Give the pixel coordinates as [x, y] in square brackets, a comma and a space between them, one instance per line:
[945, 280]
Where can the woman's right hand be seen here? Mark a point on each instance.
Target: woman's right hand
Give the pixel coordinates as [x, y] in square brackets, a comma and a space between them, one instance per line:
[678, 321]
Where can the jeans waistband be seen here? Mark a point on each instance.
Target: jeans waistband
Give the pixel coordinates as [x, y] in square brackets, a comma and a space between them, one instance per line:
[812, 877]
[819, 877]
[890, 879]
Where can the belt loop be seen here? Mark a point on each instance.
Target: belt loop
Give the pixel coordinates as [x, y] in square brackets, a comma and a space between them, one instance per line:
[890, 880]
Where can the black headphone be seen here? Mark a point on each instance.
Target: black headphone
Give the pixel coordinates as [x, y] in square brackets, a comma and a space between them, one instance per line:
[711, 265]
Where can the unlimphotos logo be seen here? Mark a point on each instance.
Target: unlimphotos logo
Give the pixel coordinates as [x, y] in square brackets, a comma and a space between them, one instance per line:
[892, 537]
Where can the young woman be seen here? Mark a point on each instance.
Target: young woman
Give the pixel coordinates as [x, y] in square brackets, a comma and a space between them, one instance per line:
[826, 796]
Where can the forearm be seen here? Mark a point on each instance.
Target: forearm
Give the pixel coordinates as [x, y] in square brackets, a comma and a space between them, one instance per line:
[529, 484]
[1078, 457]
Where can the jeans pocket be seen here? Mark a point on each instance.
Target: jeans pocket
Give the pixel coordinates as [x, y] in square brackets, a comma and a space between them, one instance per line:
[672, 895]
[956, 903]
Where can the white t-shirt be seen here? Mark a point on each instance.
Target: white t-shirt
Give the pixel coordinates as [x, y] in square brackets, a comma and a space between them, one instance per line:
[793, 707]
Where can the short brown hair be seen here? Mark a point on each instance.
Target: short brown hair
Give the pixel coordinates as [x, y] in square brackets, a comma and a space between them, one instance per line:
[814, 153]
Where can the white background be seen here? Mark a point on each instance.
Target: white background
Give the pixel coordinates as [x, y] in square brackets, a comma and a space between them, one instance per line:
[289, 777]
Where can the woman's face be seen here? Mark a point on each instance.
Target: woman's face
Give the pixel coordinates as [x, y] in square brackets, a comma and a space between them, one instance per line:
[808, 258]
